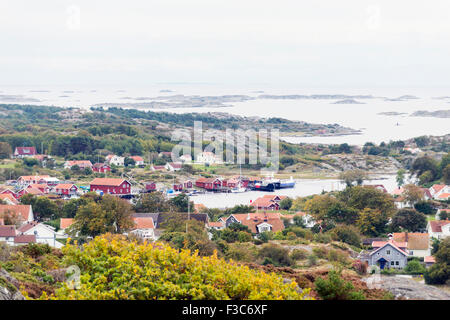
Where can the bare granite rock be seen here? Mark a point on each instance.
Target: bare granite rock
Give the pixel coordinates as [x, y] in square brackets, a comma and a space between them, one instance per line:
[8, 287]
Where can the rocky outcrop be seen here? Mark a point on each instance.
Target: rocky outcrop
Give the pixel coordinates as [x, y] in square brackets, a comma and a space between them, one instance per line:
[406, 288]
[8, 287]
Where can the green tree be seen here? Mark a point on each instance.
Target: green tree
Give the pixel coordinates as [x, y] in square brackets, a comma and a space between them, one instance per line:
[352, 176]
[446, 174]
[5, 150]
[153, 202]
[439, 273]
[400, 177]
[409, 220]
[372, 222]
[286, 203]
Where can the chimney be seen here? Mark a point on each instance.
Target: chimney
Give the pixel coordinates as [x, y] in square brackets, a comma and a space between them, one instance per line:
[406, 236]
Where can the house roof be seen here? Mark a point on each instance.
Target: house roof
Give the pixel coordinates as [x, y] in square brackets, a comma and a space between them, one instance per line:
[207, 180]
[154, 216]
[437, 187]
[137, 158]
[251, 220]
[436, 225]
[397, 191]
[264, 202]
[34, 191]
[144, 223]
[100, 165]
[175, 165]
[79, 163]
[64, 186]
[107, 182]
[27, 226]
[414, 240]
[199, 206]
[65, 223]
[217, 224]
[444, 196]
[33, 178]
[7, 231]
[9, 198]
[397, 246]
[159, 167]
[20, 210]
[429, 259]
[25, 151]
[24, 238]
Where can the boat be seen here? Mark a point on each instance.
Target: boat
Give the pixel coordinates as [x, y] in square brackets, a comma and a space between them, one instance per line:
[239, 189]
[265, 186]
[284, 184]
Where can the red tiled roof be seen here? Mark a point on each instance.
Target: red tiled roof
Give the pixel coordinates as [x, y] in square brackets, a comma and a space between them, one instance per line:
[34, 191]
[107, 182]
[9, 197]
[264, 203]
[79, 163]
[175, 165]
[251, 220]
[414, 240]
[24, 238]
[144, 223]
[436, 225]
[20, 210]
[27, 226]
[444, 196]
[429, 259]
[7, 231]
[137, 158]
[379, 244]
[66, 186]
[438, 187]
[217, 224]
[65, 223]
[26, 151]
[33, 178]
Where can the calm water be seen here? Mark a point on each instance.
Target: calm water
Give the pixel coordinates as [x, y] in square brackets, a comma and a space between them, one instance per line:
[304, 187]
[376, 128]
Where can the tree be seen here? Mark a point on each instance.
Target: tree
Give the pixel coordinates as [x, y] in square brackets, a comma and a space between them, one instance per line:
[364, 197]
[426, 177]
[352, 176]
[400, 177]
[372, 222]
[439, 273]
[346, 234]
[30, 162]
[153, 202]
[119, 213]
[426, 207]
[412, 193]
[286, 203]
[129, 162]
[446, 174]
[275, 254]
[423, 164]
[180, 203]
[5, 150]
[88, 171]
[410, 220]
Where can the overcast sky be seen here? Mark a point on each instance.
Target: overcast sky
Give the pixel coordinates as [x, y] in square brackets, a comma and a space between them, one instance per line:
[324, 43]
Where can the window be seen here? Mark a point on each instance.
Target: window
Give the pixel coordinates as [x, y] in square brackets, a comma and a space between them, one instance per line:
[392, 263]
[388, 251]
[397, 263]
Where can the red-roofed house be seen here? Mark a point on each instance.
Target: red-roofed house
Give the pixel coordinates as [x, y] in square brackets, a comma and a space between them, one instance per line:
[111, 186]
[173, 166]
[144, 228]
[82, 164]
[22, 152]
[7, 234]
[101, 167]
[68, 189]
[139, 161]
[26, 180]
[209, 183]
[257, 222]
[418, 244]
[23, 213]
[429, 261]
[9, 199]
[438, 189]
[24, 239]
[439, 229]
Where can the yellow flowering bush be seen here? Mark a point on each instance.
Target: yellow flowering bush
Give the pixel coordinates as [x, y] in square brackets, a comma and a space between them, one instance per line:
[115, 268]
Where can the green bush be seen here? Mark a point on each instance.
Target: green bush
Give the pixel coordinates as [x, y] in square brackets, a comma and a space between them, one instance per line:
[299, 254]
[438, 273]
[415, 267]
[336, 288]
[277, 254]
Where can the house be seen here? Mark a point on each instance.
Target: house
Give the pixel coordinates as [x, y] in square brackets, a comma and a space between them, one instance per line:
[437, 189]
[115, 160]
[307, 218]
[199, 207]
[418, 244]
[9, 199]
[144, 228]
[429, 261]
[439, 229]
[387, 254]
[265, 204]
[41, 187]
[110, 186]
[209, 183]
[22, 152]
[157, 168]
[82, 164]
[27, 180]
[7, 234]
[219, 225]
[207, 157]
[30, 190]
[443, 196]
[376, 186]
[178, 187]
[257, 222]
[23, 213]
[139, 161]
[187, 184]
[9, 192]
[101, 167]
[64, 223]
[43, 233]
[67, 189]
[24, 239]
[185, 158]
[150, 186]
[173, 166]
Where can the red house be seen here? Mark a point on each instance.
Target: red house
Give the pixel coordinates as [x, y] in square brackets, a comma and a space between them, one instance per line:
[66, 189]
[150, 186]
[101, 167]
[178, 187]
[208, 183]
[22, 152]
[187, 184]
[111, 186]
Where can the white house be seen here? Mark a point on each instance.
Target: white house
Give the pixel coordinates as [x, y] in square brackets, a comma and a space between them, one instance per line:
[418, 244]
[144, 228]
[43, 233]
[439, 229]
[115, 160]
[7, 234]
[208, 157]
[173, 166]
[139, 161]
[23, 213]
[186, 158]
[439, 189]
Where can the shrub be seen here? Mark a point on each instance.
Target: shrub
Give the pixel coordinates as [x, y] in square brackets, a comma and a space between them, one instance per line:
[320, 252]
[346, 234]
[322, 238]
[438, 273]
[415, 267]
[277, 254]
[336, 288]
[312, 260]
[299, 254]
[360, 267]
[114, 268]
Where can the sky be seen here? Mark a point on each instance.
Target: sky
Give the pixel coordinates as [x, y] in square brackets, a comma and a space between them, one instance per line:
[323, 43]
